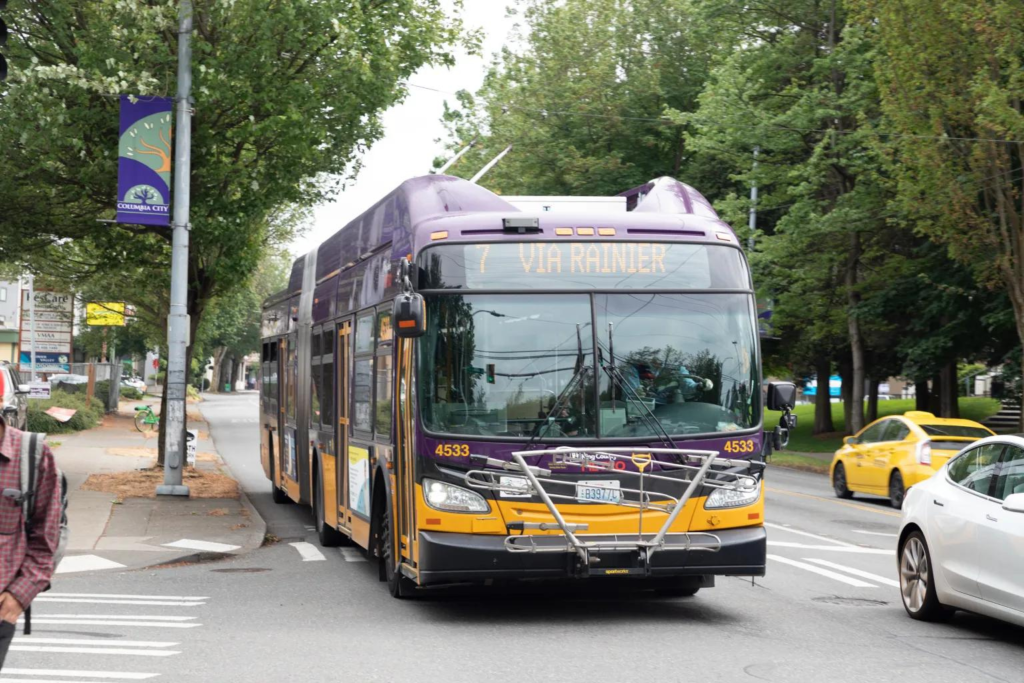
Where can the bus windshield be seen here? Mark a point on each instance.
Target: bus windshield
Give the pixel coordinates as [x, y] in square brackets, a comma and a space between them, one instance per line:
[519, 365]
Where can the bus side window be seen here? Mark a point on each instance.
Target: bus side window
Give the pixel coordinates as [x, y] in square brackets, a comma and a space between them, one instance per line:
[384, 376]
[327, 381]
[362, 381]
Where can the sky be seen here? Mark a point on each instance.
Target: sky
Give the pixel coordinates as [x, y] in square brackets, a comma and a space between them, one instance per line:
[411, 127]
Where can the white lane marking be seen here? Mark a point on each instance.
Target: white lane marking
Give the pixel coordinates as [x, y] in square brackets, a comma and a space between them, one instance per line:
[117, 622]
[85, 563]
[93, 650]
[120, 675]
[771, 525]
[856, 572]
[210, 546]
[875, 533]
[124, 595]
[308, 551]
[8, 679]
[830, 548]
[93, 641]
[824, 572]
[98, 601]
[130, 617]
[351, 555]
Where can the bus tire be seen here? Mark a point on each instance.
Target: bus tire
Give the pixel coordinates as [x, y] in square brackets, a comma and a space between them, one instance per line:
[398, 586]
[277, 494]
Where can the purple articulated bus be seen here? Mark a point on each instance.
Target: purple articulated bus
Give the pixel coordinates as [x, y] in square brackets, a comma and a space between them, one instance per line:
[476, 389]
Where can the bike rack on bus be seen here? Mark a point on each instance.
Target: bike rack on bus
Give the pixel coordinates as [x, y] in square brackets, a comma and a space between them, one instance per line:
[706, 470]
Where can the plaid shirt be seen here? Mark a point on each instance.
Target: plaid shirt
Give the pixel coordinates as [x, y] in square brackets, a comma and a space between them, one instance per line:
[26, 564]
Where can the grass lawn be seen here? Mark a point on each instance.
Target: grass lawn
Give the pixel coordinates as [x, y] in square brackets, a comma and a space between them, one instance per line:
[802, 441]
[799, 461]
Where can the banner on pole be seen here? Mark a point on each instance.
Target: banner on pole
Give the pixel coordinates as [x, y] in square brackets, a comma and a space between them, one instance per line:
[144, 161]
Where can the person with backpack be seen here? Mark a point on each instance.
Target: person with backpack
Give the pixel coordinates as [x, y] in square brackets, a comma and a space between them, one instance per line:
[31, 520]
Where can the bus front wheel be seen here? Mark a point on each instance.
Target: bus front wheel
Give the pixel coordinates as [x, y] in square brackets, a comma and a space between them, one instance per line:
[399, 586]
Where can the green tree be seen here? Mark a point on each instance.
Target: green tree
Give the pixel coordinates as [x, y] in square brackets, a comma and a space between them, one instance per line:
[952, 93]
[581, 98]
[287, 93]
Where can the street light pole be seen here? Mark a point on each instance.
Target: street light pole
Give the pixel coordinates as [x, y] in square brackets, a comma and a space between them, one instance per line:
[178, 319]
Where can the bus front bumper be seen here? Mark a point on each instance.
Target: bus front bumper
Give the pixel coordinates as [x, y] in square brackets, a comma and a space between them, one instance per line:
[460, 558]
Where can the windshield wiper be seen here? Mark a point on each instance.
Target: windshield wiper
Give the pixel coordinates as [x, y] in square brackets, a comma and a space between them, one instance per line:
[579, 372]
[646, 414]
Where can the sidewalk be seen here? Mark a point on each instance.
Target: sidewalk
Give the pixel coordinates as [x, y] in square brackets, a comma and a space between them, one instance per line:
[134, 532]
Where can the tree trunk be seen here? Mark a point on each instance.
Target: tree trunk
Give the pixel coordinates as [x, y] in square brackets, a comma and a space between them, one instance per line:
[872, 414]
[921, 393]
[823, 400]
[948, 404]
[856, 422]
[935, 398]
[218, 358]
[846, 391]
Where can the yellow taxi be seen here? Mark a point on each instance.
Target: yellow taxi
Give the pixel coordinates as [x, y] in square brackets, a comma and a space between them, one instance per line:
[892, 454]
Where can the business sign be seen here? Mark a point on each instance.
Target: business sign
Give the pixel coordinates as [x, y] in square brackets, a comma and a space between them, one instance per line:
[191, 437]
[39, 390]
[108, 313]
[144, 161]
[53, 313]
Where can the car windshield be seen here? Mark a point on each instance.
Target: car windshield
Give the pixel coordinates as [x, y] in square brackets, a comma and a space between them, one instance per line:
[518, 365]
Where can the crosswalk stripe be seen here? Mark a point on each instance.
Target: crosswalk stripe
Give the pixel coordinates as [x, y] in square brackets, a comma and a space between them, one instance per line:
[93, 650]
[118, 675]
[103, 601]
[8, 679]
[93, 641]
[823, 572]
[856, 572]
[351, 555]
[308, 551]
[144, 617]
[874, 533]
[85, 563]
[124, 595]
[113, 622]
[832, 548]
[791, 530]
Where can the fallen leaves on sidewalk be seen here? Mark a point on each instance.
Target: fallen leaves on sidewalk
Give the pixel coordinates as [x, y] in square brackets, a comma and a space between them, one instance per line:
[143, 483]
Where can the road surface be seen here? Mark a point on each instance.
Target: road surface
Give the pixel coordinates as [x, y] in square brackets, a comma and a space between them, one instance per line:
[828, 610]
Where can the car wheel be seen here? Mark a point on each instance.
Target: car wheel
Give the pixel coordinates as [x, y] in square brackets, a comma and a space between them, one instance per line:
[839, 481]
[897, 492]
[917, 584]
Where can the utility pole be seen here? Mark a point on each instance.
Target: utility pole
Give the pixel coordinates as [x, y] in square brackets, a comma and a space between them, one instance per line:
[752, 224]
[32, 322]
[178, 319]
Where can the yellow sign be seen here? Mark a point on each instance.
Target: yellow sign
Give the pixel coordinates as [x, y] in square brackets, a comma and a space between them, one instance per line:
[110, 313]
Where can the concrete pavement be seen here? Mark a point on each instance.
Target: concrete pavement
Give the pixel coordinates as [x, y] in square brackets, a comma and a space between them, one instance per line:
[295, 611]
[107, 533]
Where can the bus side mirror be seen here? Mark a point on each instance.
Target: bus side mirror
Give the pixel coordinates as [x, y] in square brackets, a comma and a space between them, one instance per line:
[410, 319]
[781, 396]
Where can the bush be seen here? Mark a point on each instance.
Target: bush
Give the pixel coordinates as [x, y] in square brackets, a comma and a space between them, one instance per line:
[132, 394]
[193, 393]
[87, 416]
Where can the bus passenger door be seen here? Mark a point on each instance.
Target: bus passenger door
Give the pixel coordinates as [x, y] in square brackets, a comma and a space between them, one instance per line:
[289, 398]
[341, 370]
[405, 476]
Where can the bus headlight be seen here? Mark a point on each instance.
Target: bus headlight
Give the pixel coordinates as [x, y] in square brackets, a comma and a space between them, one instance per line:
[449, 498]
[747, 494]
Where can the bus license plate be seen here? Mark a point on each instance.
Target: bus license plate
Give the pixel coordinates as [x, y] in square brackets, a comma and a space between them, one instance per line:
[601, 491]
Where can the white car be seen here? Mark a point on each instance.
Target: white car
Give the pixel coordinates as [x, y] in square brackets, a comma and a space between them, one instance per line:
[961, 543]
[133, 382]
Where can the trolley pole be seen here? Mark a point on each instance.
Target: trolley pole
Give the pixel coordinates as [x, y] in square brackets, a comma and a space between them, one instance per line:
[178, 319]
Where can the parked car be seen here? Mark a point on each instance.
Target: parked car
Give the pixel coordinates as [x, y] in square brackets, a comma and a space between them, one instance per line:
[134, 382]
[961, 543]
[894, 453]
[68, 379]
[13, 397]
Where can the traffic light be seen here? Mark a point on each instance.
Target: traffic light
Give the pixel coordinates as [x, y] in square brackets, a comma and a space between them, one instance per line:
[3, 42]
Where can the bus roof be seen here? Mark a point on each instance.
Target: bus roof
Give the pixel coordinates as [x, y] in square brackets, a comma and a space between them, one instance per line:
[431, 208]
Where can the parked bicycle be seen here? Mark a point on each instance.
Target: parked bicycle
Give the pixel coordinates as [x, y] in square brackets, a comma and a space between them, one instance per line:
[146, 420]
